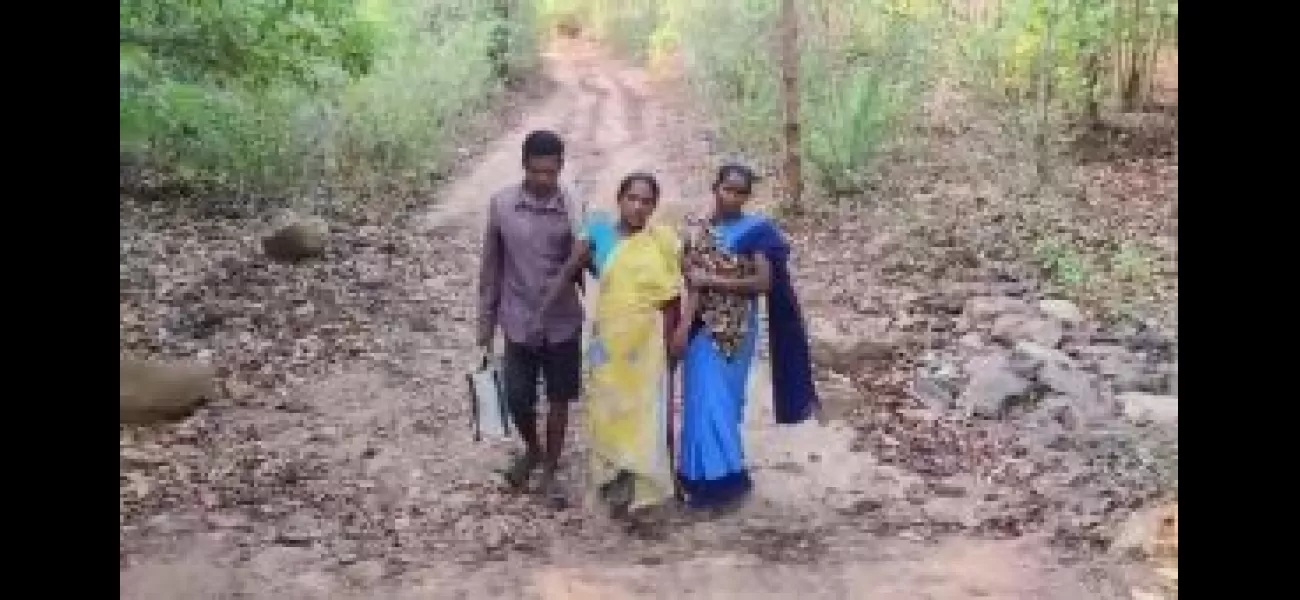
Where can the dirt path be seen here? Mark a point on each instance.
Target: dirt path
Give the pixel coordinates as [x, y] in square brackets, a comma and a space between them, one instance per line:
[412, 510]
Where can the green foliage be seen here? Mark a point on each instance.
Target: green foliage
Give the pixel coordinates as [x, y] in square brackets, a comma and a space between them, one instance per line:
[859, 82]
[866, 64]
[860, 88]
[1120, 280]
[1064, 264]
[728, 53]
[1113, 33]
[282, 92]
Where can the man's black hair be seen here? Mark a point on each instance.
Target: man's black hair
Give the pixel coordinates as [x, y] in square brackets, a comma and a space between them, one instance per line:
[543, 143]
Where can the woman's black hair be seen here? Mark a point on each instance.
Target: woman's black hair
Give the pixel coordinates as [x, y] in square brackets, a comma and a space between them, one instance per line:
[639, 176]
[730, 169]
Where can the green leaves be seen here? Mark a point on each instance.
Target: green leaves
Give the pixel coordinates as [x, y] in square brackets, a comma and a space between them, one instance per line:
[271, 92]
[256, 43]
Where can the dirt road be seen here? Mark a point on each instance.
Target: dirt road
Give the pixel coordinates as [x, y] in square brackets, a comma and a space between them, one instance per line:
[407, 507]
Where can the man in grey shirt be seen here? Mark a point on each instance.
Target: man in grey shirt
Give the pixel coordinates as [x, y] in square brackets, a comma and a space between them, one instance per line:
[529, 237]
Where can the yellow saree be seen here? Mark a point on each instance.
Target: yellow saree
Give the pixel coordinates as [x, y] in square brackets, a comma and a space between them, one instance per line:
[627, 391]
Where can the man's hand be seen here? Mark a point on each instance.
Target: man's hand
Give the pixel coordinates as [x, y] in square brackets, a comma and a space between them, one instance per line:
[483, 350]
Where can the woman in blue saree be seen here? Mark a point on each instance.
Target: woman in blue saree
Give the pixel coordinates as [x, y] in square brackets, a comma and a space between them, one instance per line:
[729, 260]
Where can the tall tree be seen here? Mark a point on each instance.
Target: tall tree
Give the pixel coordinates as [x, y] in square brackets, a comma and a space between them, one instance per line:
[793, 168]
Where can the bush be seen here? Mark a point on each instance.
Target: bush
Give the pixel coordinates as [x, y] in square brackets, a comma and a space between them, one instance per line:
[273, 92]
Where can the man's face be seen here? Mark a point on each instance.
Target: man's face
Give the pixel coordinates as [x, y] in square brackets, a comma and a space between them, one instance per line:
[542, 174]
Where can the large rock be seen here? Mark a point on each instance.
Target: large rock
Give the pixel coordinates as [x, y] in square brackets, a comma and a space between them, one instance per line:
[990, 307]
[933, 391]
[1149, 533]
[1061, 310]
[1039, 354]
[937, 381]
[1140, 407]
[994, 386]
[1058, 411]
[1012, 328]
[1123, 371]
[1064, 378]
[845, 355]
[155, 391]
[297, 241]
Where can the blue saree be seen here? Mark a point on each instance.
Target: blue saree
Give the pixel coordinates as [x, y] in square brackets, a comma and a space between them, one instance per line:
[712, 467]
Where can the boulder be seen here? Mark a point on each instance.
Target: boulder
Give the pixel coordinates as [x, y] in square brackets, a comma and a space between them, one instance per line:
[994, 386]
[1124, 372]
[990, 307]
[1061, 310]
[971, 342]
[297, 241]
[1058, 411]
[932, 391]
[155, 391]
[1012, 328]
[1141, 408]
[1149, 533]
[1039, 354]
[845, 355]
[1064, 378]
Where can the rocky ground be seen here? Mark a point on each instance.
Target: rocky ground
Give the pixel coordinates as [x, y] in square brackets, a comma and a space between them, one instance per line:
[981, 437]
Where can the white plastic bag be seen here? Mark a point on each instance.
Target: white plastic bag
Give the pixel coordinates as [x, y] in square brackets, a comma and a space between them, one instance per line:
[488, 402]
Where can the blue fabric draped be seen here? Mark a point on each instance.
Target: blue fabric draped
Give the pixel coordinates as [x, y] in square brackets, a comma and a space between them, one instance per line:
[712, 466]
[794, 395]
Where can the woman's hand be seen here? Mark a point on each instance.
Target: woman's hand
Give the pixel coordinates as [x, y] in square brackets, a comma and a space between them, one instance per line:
[700, 279]
[678, 341]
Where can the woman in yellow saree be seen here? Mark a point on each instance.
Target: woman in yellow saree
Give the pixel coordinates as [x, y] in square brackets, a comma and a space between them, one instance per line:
[638, 269]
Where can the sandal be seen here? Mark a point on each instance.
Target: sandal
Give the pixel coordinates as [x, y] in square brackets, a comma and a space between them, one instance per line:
[618, 494]
[520, 470]
[551, 492]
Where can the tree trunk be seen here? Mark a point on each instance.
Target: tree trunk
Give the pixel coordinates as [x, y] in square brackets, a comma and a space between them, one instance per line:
[1045, 74]
[1122, 27]
[1153, 60]
[1088, 49]
[499, 50]
[1092, 79]
[792, 168]
[1133, 82]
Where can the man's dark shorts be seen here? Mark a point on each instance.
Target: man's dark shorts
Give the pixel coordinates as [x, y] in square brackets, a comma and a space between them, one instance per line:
[559, 364]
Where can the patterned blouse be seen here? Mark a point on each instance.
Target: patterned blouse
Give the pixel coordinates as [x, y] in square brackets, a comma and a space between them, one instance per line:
[725, 314]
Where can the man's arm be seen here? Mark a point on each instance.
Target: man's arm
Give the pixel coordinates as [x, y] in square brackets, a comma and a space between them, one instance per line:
[581, 243]
[489, 278]
[579, 258]
[577, 212]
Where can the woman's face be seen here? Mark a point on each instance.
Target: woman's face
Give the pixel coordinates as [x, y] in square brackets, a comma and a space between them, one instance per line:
[731, 193]
[637, 204]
